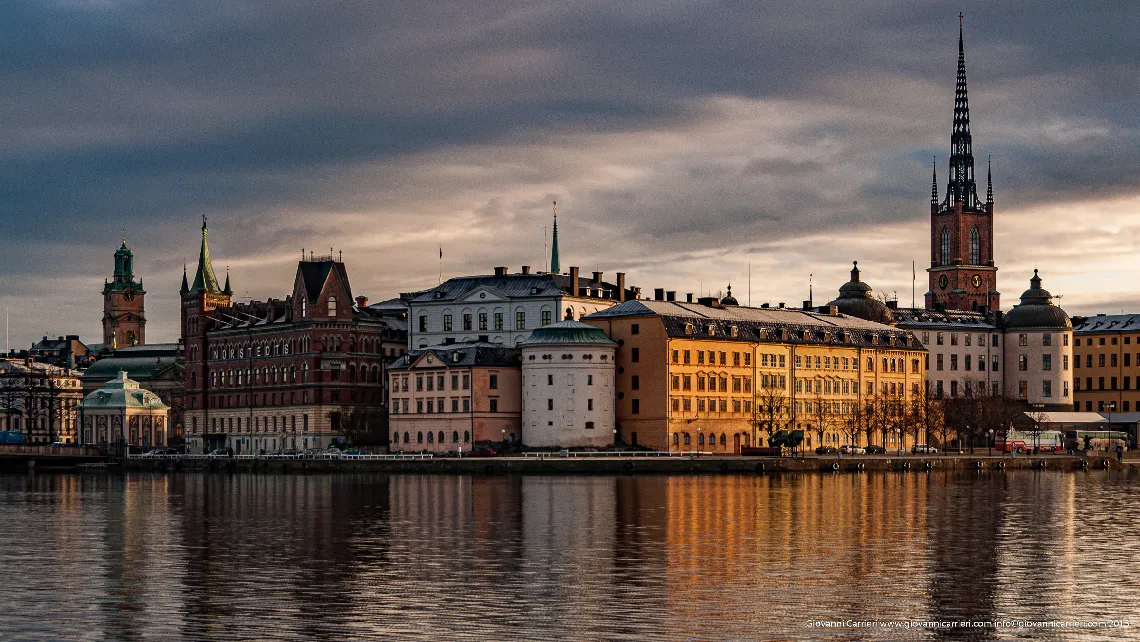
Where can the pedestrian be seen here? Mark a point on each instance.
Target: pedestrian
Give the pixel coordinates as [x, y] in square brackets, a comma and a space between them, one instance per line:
[1119, 453]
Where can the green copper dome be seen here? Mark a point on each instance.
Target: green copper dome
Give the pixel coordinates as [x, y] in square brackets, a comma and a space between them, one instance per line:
[568, 332]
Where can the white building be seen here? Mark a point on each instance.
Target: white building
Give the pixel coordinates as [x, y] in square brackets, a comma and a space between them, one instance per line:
[504, 308]
[964, 351]
[568, 386]
[122, 412]
[1038, 349]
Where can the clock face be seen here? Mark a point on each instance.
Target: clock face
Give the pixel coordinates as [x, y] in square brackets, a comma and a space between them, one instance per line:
[943, 281]
[977, 281]
[129, 294]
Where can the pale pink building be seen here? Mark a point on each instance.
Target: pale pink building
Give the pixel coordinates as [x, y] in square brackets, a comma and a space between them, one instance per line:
[453, 397]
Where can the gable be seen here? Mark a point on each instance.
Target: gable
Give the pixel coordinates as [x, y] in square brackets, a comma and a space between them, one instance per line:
[483, 294]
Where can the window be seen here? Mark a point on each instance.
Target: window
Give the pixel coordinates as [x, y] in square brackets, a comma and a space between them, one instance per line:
[1047, 388]
[1047, 339]
[520, 320]
[498, 320]
[1100, 360]
[975, 247]
[466, 321]
[1065, 339]
[994, 367]
[676, 356]
[1047, 362]
[590, 404]
[494, 405]
[953, 338]
[945, 254]
[953, 362]
[546, 317]
[550, 404]
[447, 323]
[1022, 363]
[423, 323]
[635, 355]
[590, 379]
[635, 406]
[686, 355]
[332, 306]
[966, 365]
[635, 328]
[494, 382]
[635, 382]
[1112, 359]
[1022, 389]
[1022, 339]
[938, 362]
[1066, 394]
[482, 320]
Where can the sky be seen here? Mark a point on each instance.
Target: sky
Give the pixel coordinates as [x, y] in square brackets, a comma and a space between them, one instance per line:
[691, 144]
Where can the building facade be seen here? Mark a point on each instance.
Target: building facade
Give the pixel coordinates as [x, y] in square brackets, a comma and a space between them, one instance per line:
[1106, 363]
[124, 315]
[962, 274]
[281, 374]
[503, 308]
[451, 397]
[122, 412]
[40, 400]
[1038, 351]
[716, 376]
[157, 367]
[568, 393]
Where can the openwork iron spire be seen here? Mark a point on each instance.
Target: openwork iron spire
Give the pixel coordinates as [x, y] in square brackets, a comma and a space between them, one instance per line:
[934, 184]
[962, 188]
[989, 182]
[554, 267]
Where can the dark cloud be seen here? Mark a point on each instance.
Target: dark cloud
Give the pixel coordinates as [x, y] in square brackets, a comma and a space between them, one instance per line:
[678, 134]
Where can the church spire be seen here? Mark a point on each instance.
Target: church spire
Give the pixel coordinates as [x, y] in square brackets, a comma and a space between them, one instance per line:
[962, 188]
[934, 184]
[227, 289]
[554, 267]
[185, 285]
[204, 279]
[989, 182]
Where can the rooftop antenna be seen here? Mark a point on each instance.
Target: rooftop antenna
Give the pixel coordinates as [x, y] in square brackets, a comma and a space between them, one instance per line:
[750, 284]
[441, 264]
[913, 279]
[302, 255]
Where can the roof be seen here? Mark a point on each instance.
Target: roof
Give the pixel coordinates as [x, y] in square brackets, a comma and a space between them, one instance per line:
[204, 278]
[314, 274]
[515, 286]
[947, 319]
[856, 299]
[395, 304]
[1107, 323]
[1067, 417]
[568, 332]
[149, 349]
[1036, 309]
[122, 392]
[466, 354]
[138, 367]
[760, 324]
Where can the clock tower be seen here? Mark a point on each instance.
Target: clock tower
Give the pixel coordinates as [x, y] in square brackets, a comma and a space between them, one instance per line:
[962, 272]
[124, 320]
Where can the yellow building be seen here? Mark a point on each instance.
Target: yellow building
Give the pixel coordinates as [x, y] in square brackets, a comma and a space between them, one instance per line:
[1106, 363]
[715, 376]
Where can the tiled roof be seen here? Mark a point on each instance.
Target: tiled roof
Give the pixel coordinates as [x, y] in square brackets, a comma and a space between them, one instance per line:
[463, 355]
[782, 325]
[568, 333]
[922, 318]
[139, 368]
[513, 286]
[1107, 323]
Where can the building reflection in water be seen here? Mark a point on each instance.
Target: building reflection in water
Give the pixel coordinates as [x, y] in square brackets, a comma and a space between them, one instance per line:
[265, 556]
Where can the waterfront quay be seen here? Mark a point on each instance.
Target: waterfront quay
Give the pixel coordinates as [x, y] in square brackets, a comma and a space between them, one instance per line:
[641, 463]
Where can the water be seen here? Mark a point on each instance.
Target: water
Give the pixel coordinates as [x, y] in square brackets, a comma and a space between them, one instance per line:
[210, 556]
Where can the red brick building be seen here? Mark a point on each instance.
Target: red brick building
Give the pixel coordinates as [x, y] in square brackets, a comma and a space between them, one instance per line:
[282, 374]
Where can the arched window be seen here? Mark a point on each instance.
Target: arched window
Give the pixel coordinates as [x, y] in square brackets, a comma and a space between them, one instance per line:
[332, 306]
[455, 437]
[441, 436]
[466, 436]
[405, 437]
[701, 439]
[723, 441]
[431, 437]
[688, 440]
[419, 437]
[712, 439]
[395, 437]
[945, 256]
[975, 247]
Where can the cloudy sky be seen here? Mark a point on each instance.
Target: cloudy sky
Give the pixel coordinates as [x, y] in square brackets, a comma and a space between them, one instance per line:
[683, 140]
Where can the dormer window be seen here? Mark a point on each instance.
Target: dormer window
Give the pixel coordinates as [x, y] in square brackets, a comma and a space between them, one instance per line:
[688, 328]
[332, 306]
[712, 330]
[304, 307]
[733, 331]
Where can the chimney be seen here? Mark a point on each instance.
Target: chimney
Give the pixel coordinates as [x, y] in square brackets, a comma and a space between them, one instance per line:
[501, 270]
[658, 293]
[893, 305]
[781, 305]
[621, 287]
[526, 269]
[597, 277]
[574, 291]
[688, 297]
[671, 295]
[807, 304]
[361, 301]
[764, 306]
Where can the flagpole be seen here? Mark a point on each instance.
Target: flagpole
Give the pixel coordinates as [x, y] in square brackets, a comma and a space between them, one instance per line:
[913, 280]
[441, 265]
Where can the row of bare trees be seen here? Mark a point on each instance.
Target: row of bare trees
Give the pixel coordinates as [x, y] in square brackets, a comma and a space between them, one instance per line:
[969, 420]
[39, 399]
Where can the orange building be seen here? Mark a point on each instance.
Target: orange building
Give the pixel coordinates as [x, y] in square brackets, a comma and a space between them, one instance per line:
[1106, 363]
[716, 376]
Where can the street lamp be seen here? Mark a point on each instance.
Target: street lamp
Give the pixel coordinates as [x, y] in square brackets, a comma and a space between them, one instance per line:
[990, 442]
[898, 440]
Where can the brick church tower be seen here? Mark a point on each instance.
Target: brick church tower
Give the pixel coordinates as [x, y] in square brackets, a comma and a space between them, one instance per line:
[124, 320]
[199, 300]
[962, 272]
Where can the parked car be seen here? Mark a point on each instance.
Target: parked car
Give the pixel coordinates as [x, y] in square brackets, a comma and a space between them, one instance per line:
[353, 451]
[59, 444]
[826, 450]
[160, 452]
[482, 452]
[852, 450]
[221, 452]
[876, 450]
[923, 449]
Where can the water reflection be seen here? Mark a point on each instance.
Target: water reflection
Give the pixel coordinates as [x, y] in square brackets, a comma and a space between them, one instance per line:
[453, 557]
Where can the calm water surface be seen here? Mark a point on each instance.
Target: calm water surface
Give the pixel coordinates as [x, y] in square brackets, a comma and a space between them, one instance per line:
[199, 556]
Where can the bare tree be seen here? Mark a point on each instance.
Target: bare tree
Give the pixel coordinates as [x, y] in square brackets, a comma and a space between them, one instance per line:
[771, 408]
[822, 417]
[364, 426]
